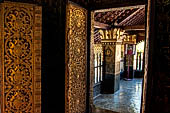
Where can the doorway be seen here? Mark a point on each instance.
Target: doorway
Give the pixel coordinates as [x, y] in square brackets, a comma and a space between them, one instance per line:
[118, 45]
[77, 91]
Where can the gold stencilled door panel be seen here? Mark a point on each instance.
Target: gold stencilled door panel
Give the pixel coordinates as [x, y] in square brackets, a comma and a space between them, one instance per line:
[76, 59]
[20, 58]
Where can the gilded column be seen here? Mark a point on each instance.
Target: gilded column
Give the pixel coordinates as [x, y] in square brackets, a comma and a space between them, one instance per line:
[112, 57]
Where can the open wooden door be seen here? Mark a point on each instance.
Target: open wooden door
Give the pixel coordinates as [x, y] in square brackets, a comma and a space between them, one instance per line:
[20, 57]
[76, 59]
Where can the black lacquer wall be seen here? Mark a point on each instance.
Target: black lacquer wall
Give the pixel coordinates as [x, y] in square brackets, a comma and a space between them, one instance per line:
[53, 56]
[158, 97]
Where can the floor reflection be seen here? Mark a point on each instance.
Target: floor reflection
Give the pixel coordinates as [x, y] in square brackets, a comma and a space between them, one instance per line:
[126, 100]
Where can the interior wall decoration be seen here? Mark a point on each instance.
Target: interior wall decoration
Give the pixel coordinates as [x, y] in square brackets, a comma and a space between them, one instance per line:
[129, 39]
[76, 59]
[109, 57]
[20, 53]
[111, 34]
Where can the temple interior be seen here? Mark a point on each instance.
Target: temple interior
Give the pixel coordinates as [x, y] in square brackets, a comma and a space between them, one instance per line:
[119, 37]
[84, 56]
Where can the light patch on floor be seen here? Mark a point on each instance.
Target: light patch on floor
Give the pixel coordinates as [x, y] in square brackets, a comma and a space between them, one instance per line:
[126, 100]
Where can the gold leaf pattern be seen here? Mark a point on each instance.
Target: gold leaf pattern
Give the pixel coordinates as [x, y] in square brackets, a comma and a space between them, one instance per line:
[76, 59]
[18, 37]
[20, 70]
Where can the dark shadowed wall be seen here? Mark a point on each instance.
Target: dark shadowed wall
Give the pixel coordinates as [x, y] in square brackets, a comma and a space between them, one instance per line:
[53, 56]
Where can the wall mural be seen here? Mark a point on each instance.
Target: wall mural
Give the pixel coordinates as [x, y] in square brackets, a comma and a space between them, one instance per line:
[20, 58]
[109, 56]
[76, 50]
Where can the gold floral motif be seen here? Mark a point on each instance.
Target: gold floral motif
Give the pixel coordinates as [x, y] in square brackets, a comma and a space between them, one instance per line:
[18, 100]
[18, 21]
[19, 54]
[76, 59]
[18, 74]
[18, 48]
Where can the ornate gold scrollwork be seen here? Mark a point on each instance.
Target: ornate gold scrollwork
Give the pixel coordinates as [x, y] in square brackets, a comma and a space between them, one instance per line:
[18, 44]
[19, 68]
[76, 59]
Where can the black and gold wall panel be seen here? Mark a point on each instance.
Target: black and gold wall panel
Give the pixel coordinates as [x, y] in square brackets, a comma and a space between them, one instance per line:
[20, 49]
[76, 60]
[109, 58]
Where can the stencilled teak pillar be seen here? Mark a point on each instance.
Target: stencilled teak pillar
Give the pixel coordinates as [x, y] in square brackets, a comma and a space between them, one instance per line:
[20, 54]
[111, 40]
[111, 78]
[130, 48]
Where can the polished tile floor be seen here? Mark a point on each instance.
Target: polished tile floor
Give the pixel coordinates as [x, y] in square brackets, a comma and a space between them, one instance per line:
[126, 100]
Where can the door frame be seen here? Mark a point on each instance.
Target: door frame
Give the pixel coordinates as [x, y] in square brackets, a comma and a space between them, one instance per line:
[147, 56]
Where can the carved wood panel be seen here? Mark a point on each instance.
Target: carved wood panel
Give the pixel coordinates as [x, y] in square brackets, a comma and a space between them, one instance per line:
[20, 58]
[76, 50]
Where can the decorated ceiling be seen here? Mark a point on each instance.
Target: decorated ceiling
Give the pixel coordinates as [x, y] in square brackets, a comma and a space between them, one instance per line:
[131, 20]
[126, 16]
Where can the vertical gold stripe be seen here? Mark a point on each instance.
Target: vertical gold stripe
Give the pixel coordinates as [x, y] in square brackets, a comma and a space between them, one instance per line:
[76, 61]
